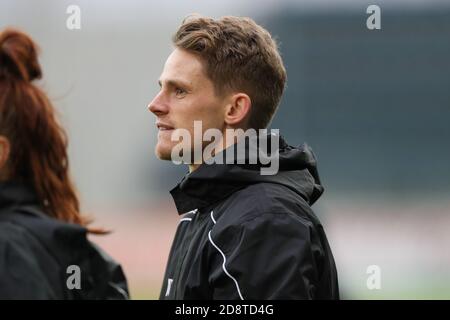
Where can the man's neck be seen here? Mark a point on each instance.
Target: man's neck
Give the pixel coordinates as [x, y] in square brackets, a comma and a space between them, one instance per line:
[193, 167]
[221, 145]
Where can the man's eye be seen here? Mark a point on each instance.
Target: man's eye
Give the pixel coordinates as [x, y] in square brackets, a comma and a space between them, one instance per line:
[179, 91]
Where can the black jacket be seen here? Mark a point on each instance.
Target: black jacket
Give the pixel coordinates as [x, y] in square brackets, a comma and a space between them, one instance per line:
[37, 252]
[243, 235]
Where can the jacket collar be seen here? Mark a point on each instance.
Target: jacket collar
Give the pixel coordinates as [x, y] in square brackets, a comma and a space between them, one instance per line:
[210, 183]
[13, 193]
[194, 192]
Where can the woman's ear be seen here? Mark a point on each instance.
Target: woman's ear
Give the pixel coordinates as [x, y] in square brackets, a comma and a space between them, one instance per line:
[238, 110]
[4, 152]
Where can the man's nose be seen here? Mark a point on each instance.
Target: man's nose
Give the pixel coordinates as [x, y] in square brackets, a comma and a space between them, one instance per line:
[158, 105]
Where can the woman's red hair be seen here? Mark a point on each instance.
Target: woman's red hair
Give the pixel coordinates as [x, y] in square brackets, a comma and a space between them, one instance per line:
[38, 154]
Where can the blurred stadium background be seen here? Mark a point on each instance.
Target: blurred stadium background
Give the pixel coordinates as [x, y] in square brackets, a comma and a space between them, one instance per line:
[374, 105]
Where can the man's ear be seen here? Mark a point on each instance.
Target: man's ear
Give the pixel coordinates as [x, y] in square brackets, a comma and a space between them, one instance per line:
[5, 148]
[238, 110]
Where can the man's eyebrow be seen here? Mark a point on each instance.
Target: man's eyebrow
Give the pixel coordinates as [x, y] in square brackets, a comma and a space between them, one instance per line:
[175, 83]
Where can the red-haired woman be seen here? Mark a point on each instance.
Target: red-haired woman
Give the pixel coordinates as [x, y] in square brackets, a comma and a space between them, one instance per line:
[44, 250]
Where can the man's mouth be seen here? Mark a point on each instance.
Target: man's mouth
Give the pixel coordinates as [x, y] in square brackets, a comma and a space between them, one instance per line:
[163, 127]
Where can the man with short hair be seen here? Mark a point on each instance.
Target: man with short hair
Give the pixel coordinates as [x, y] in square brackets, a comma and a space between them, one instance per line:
[244, 233]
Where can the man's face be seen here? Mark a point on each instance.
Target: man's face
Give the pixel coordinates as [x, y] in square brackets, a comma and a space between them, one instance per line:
[186, 95]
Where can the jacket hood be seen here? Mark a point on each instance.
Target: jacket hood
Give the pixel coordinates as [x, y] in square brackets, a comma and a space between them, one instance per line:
[297, 170]
[19, 202]
[67, 243]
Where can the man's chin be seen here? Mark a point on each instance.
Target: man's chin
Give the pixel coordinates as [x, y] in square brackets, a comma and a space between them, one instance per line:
[163, 153]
